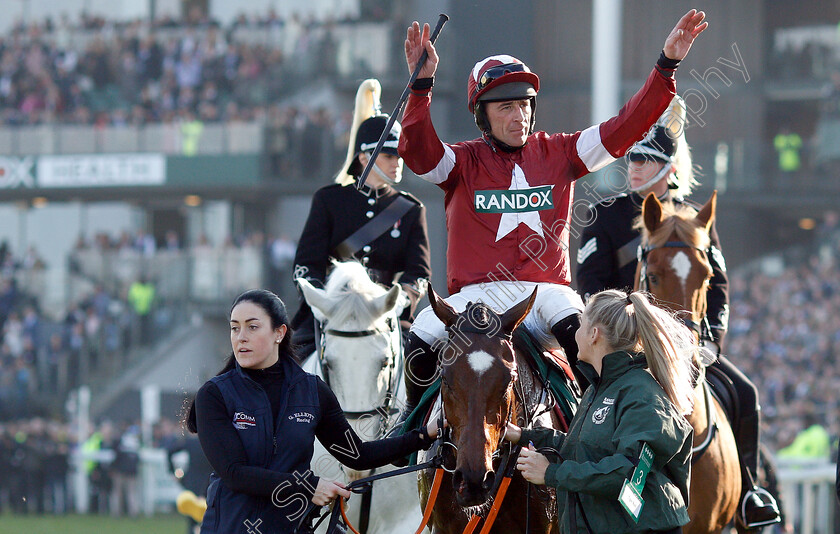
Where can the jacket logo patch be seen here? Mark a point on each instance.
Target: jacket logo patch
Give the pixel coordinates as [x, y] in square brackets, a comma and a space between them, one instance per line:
[600, 415]
[514, 201]
[608, 400]
[242, 421]
[302, 417]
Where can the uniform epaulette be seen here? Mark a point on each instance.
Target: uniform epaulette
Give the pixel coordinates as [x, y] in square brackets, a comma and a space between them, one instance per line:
[411, 197]
[335, 186]
[607, 199]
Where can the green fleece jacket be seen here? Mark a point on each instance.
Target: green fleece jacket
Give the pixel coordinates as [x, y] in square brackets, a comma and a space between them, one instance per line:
[622, 409]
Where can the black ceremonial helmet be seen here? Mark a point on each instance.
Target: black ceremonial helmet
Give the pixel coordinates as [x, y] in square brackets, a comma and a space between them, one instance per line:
[368, 135]
[368, 124]
[665, 142]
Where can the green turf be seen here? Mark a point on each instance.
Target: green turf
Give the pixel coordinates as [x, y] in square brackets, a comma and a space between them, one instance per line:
[91, 524]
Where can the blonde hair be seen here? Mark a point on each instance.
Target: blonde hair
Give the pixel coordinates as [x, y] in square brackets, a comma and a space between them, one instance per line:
[675, 121]
[632, 323]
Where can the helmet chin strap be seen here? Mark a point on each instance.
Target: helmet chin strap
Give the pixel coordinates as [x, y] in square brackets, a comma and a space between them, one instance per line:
[664, 171]
[388, 180]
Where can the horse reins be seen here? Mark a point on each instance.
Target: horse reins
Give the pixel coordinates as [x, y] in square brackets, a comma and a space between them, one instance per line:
[385, 410]
[508, 466]
[694, 326]
[364, 485]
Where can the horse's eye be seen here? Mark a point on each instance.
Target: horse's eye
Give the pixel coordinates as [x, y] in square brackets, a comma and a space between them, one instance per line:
[653, 279]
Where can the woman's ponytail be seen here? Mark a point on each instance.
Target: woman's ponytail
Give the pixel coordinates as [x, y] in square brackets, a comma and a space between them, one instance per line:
[668, 346]
[631, 323]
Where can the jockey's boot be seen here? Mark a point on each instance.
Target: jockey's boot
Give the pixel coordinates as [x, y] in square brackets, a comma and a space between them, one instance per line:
[564, 331]
[758, 508]
[421, 364]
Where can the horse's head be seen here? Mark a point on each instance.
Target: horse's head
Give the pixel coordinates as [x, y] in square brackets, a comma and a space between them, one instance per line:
[674, 266]
[478, 372]
[361, 337]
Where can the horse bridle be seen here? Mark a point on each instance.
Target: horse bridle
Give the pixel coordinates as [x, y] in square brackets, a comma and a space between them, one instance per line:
[446, 436]
[697, 328]
[385, 410]
[642, 255]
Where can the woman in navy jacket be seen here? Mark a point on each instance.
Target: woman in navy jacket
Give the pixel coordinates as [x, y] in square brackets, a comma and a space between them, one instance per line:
[257, 421]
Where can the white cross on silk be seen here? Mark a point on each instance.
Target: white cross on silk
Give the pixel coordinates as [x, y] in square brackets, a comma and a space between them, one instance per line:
[510, 221]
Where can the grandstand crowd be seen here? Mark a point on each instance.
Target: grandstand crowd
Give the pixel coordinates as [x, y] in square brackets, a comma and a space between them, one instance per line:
[94, 71]
[44, 358]
[192, 72]
[785, 334]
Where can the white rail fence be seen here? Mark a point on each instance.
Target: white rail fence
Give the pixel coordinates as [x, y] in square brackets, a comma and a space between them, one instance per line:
[808, 492]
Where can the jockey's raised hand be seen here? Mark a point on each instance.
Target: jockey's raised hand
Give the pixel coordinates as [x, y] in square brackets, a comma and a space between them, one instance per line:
[417, 40]
[681, 38]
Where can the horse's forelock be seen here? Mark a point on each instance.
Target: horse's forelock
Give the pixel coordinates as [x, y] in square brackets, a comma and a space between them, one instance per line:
[480, 314]
[676, 220]
[353, 290]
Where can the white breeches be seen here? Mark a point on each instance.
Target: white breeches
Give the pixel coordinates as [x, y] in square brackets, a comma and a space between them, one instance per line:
[554, 302]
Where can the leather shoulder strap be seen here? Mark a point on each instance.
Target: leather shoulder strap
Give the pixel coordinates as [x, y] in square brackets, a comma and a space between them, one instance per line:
[627, 253]
[373, 228]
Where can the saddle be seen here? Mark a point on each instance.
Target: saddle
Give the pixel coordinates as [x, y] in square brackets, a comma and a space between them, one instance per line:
[724, 391]
[553, 369]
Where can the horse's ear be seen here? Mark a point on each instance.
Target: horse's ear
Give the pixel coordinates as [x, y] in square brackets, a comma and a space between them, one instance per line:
[385, 303]
[651, 212]
[514, 316]
[444, 311]
[706, 215]
[316, 298]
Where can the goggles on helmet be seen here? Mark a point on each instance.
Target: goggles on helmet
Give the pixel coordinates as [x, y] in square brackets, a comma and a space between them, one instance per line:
[494, 73]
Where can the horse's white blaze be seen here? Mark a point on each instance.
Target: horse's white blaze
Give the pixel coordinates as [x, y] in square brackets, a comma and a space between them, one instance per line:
[480, 361]
[682, 266]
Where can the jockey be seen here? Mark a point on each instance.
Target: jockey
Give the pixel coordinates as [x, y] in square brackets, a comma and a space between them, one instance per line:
[607, 259]
[508, 194]
[346, 223]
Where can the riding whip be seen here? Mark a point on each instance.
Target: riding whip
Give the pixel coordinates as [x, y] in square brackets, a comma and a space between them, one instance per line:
[398, 109]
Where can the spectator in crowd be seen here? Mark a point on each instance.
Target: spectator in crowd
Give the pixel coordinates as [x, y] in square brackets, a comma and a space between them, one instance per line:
[141, 296]
[123, 472]
[788, 144]
[195, 476]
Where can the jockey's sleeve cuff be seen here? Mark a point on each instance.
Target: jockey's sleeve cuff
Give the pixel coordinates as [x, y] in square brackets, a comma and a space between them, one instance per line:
[421, 86]
[666, 66]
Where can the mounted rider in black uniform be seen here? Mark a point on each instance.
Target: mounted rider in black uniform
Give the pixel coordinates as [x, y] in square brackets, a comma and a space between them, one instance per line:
[346, 223]
[607, 259]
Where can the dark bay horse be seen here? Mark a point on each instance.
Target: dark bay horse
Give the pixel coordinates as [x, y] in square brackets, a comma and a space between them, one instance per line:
[674, 268]
[484, 384]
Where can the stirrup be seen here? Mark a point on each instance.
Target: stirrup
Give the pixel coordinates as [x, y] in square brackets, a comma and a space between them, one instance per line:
[769, 501]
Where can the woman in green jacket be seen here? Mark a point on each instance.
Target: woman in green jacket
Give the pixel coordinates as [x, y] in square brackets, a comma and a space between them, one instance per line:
[624, 464]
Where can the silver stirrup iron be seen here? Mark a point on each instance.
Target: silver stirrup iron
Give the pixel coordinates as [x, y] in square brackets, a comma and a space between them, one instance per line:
[766, 497]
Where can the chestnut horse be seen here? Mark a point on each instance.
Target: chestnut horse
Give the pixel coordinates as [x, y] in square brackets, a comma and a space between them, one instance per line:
[675, 269]
[485, 384]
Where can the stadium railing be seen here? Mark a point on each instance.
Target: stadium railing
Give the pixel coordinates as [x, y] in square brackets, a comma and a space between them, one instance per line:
[809, 494]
